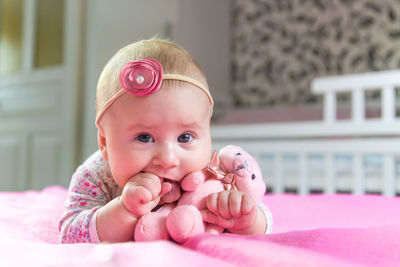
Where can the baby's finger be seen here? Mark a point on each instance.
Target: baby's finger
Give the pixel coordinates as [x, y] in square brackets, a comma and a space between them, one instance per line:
[137, 195]
[212, 203]
[248, 204]
[149, 181]
[223, 204]
[244, 221]
[210, 217]
[146, 208]
[134, 197]
[165, 188]
[235, 203]
[173, 194]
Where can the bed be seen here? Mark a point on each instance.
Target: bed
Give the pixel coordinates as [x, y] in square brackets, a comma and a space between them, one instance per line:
[309, 230]
[333, 165]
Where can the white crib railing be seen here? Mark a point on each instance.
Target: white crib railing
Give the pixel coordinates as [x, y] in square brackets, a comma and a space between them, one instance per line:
[357, 84]
[330, 140]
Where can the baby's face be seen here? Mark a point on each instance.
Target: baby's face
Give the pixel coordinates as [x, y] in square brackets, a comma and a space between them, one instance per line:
[167, 133]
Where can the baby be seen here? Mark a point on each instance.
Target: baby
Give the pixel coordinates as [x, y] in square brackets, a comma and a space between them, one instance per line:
[153, 119]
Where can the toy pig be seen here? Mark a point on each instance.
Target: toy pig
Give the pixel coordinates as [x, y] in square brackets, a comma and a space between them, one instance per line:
[232, 169]
[242, 171]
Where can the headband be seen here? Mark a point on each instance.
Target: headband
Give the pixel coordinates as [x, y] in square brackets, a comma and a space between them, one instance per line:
[143, 77]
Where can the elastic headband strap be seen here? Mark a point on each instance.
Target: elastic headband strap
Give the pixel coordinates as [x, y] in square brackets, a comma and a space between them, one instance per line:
[177, 77]
[192, 81]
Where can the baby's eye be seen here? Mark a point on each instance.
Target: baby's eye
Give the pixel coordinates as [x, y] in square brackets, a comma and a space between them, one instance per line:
[145, 138]
[185, 138]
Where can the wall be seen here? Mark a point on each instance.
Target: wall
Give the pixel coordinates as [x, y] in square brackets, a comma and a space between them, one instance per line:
[204, 29]
[279, 46]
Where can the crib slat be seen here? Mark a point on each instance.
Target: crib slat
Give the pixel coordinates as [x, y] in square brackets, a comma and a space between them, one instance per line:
[329, 107]
[278, 177]
[358, 105]
[330, 174]
[388, 103]
[389, 175]
[358, 174]
[303, 186]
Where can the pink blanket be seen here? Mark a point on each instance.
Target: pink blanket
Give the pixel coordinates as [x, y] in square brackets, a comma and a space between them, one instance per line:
[315, 230]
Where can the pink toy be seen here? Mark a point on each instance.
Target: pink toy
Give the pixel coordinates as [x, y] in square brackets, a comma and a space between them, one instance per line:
[232, 169]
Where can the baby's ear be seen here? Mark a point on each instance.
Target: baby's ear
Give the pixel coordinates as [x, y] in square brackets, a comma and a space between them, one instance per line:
[101, 141]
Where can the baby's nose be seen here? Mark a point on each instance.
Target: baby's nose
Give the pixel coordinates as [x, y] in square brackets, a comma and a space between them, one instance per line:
[166, 156]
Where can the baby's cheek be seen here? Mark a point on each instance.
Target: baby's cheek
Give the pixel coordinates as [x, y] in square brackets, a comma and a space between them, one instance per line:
[204, 158]
[119, 178]
[121, 173]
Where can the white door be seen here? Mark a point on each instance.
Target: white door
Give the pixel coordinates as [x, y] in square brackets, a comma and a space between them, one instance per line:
[39, 51]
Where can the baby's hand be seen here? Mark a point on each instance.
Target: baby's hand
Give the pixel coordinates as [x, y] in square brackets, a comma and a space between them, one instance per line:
[233, 210]
[142, 193]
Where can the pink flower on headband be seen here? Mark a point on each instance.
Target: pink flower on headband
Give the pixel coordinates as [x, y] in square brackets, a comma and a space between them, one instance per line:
[141, 77]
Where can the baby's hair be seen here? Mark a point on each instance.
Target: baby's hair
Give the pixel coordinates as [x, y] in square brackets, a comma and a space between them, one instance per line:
[173, 58]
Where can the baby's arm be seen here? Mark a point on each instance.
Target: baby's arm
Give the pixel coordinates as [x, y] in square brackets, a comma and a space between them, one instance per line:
[117, 219]
[91, 191]
[236, 211]
[87, 193]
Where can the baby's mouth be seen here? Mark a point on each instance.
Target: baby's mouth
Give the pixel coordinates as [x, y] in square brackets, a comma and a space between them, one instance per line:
[169, 179]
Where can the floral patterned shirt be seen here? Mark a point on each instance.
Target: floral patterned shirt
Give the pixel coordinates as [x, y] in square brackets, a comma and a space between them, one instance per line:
[92, 186]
